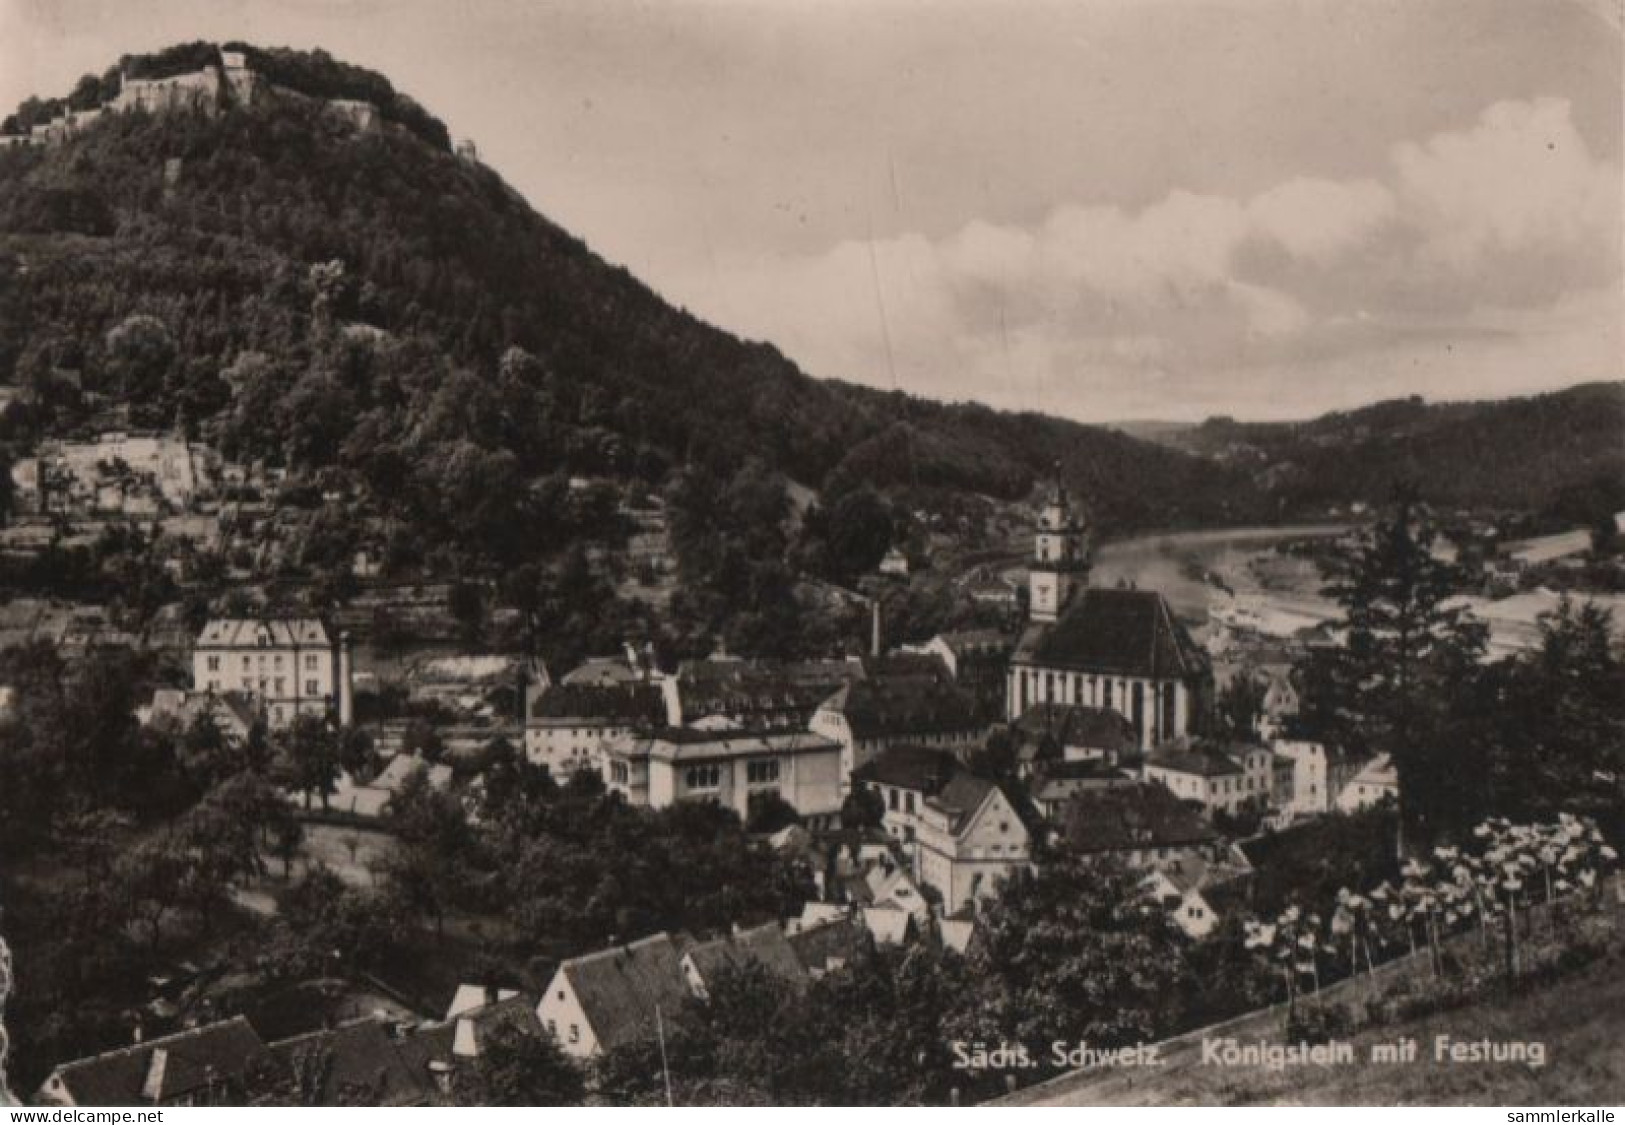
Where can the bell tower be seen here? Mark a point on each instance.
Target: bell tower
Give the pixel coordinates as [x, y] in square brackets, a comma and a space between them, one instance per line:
[1060, 557]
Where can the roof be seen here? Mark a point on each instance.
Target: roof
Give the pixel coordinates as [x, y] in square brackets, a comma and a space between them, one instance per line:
[1140, 816]
[764, 695]
[1070, 724]
[221, 1053]
[279, 632]
[764, 945]
[1202, 763]
[1123, 632]
[822, 947]
[978, 642]
[879, 708]
[687, 744]
[362, 1064]
[633, 704]
[619, 988]
[919, 768]
[889, 923]
[602, 670]
[961, 797]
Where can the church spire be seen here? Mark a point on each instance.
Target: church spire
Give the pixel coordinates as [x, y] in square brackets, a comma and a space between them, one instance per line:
[1060, 555]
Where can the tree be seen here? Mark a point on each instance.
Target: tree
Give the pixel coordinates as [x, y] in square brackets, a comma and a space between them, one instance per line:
[1077, 950]
[1397, 685]
[862, 808]
[309, 757]
[140, 355]
[518, 1068]
[1239, 707]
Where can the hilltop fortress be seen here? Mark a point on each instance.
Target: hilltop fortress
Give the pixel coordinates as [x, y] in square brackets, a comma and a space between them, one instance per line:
[211, 88]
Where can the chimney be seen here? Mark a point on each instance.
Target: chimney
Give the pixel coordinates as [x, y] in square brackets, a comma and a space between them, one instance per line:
[346, 685]
[874, 627]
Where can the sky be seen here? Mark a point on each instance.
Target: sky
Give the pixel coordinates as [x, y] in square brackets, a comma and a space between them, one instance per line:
[1104, 209]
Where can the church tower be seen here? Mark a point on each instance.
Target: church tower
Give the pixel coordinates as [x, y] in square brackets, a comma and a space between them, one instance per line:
[1061, 558]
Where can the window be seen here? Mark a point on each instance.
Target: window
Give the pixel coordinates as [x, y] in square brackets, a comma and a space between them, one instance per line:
[310, 661]
[762, 772]
[575, 1034]
[277, 660]
[246, 661]
[1108, 697]
[908, 802]
[214, 664]
[281, 686]
[891, 799]
[703, 777]
[312, 688]
[618, 771]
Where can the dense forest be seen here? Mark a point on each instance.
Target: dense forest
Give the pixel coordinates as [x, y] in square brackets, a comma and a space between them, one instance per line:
[348, 292]
[1557, 454]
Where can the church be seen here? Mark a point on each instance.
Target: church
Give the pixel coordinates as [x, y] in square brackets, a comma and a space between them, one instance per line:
[1116, 649]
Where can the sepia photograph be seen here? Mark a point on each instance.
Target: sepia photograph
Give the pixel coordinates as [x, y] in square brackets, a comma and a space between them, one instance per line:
[781, 553]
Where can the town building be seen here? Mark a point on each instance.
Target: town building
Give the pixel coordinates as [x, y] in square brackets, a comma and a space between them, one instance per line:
[1220, 779]
[208, 1065]
[730, 693]
[1056, 783]
[613, 997]
[1142, 826]
[567, 726]
[1376, 782]
[868, 716]
[904, 777]
[764, 946]
[1319, 775]
[1050, 733]
[1197, 890]
[969, 837]
[660, 768]
[288, 666]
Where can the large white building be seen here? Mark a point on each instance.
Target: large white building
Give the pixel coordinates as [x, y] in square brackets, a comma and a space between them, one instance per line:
[287, 666]
[728, 767]
[1117, 649]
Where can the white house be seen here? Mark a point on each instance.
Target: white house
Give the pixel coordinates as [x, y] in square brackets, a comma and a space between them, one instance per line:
[567, 726]
[288, 666]
[1377, 782]
[1319, 775]
[729, 767]
[866, 717]
[969, 838]
[610, 998]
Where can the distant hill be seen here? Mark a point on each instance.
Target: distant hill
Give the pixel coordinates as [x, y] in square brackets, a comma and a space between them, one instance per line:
[1562, 452]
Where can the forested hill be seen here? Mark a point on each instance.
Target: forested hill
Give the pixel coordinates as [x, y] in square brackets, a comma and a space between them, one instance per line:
[1562, 452]
[344, 301]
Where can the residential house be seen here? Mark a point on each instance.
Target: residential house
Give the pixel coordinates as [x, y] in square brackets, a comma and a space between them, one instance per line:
[1056, 783]
[1280, 703]
[827, 944]
[1197, 890]
[730, 767]
[1218, 778]
[764, 946]
[568, 725]
[1142, 826]
[867, 716]
[210, 1065]
[904, 777]
[1071, 732]
[727, 693]
[894, 564]
[1320, 773]
[1377, 781]
[969, 837]
[356, 1063]
[289, 666]
[613, 997]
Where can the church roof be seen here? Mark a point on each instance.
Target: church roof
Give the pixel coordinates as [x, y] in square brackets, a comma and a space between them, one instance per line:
[1122, 632]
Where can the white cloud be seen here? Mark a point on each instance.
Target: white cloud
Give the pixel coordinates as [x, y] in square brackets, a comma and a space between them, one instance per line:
[1083, 307]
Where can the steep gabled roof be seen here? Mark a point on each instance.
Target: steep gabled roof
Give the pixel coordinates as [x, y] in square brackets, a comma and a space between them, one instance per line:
[280, 632]
[763, 945]
[221, 1055]
[826, 945]
[960, 799]
[361, 1061]
[1120, 632]
[619, 988]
